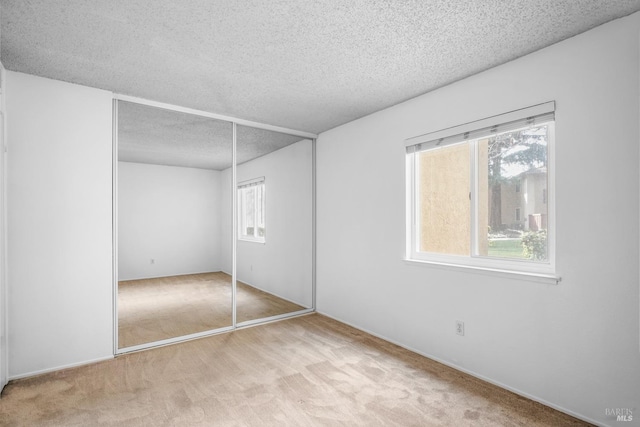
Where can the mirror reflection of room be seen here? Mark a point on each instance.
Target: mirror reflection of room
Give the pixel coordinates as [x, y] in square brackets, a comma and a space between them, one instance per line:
[274, 224]
[171, 253]
[175, 224]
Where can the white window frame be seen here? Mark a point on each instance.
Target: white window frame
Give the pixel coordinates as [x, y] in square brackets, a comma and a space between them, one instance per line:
[546, 271]
[242, 213]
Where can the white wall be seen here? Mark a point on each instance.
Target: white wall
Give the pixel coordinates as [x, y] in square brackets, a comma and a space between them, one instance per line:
[573, 345]
[282, 265]
[168, 214]
[59, 224]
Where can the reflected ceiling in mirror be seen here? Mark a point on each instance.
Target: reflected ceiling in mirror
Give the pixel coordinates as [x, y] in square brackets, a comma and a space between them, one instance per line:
[163, 137]
[253, 143]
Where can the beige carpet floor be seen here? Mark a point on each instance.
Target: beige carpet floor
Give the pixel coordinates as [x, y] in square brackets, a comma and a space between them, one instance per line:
[156, 309]
[304, 371]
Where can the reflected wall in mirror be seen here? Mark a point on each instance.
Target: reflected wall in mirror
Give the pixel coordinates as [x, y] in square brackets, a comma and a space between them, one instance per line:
[174, 274]
[274, 223]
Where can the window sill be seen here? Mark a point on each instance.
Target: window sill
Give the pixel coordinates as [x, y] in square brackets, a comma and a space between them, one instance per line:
[550, 279]
[241, 239]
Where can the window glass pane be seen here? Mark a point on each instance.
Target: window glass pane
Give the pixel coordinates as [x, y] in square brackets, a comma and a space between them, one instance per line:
[249, 217]
[512, 194]
[442, 186]
[241, 205]
[260, 204]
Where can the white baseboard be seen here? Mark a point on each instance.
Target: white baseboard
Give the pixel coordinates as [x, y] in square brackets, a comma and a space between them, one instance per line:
[168, 275]
[469, 372]
[272, 293]
[59, 368]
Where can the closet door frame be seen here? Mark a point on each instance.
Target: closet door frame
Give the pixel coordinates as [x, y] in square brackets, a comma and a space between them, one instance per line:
[235, 122]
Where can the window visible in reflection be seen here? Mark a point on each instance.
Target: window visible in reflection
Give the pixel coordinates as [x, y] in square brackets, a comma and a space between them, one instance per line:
[251, 211]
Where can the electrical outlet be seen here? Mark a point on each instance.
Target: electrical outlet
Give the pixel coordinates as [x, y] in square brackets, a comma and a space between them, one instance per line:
[459, 327]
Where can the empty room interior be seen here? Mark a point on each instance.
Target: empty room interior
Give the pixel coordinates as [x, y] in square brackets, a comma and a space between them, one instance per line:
[320, 213]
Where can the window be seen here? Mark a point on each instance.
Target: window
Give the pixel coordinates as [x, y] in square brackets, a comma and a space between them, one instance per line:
[251, 210]
[464, 185]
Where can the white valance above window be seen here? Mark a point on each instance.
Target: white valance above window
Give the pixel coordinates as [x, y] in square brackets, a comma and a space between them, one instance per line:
[251, 183]
[494, 125]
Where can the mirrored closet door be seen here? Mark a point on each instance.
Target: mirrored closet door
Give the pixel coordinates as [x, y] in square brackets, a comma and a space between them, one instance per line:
[274, 217]
[174, 210]
[208, 242]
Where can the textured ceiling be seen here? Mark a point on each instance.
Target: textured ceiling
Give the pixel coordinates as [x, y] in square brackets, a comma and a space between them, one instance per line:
[157, 136]
[306, 65]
